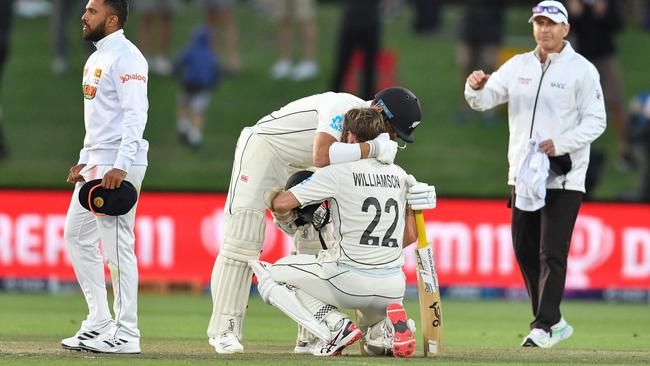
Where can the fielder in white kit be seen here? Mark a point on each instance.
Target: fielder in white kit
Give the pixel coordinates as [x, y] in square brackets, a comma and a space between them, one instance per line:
[300, 135]
[363, 269]
[115, 115]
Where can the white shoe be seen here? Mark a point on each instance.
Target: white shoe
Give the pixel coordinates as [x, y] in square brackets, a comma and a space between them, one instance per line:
[537, 338]
[183, 126]
[303, 347]
[194, 138]
[560, 331]
[74, 342]
[305, 70]
[226, 343]
[110, 343]
[343, 336]
[281, 69]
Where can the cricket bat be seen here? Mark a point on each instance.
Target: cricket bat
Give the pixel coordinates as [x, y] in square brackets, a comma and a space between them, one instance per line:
[428, 292]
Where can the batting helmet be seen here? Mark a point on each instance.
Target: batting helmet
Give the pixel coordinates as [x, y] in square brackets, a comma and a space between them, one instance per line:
[402, 108]
[317, 214]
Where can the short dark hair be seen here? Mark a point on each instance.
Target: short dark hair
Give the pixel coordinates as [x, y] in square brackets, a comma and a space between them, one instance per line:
[121, 8]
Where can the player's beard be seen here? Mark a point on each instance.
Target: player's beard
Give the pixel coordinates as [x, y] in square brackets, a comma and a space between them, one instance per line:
[95, 35]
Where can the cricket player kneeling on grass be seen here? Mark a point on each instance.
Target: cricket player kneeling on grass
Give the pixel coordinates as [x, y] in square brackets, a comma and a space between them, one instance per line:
[362, 270]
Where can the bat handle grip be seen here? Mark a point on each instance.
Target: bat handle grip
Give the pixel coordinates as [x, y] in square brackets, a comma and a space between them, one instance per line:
[422, 233]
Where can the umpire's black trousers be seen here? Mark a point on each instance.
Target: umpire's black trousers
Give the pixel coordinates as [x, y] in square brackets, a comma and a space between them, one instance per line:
[541, 243]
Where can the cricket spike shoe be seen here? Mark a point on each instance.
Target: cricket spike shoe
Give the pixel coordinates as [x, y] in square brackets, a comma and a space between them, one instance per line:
[344, 336]
[402, 329]
[109, 342]
[73, 343]
[226, 343]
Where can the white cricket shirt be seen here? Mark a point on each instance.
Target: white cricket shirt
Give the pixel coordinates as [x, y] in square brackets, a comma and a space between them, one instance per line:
[368, 210]
[290, 130]
[115, 104]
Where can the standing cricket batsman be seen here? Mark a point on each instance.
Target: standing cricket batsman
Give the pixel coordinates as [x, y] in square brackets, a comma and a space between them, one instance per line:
[115, 115]
[363, 268]
[302, 134]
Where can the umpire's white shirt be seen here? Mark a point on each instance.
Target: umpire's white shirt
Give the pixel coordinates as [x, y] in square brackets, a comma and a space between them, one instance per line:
[115, 104]
[561, 98]
[290, 130]
[368, 210]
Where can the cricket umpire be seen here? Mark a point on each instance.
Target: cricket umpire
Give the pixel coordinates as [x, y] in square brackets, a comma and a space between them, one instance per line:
[115, 114]
[305, 133]
[551, 91]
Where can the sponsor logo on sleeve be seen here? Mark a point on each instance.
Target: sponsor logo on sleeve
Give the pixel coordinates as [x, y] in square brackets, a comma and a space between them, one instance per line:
[89, 91]
[337, 123]
[97, 75]
[135, 77]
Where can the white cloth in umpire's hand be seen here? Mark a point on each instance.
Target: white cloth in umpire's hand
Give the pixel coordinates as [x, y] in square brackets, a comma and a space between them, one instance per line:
[383, 148]
[284, 222]
[420, 196]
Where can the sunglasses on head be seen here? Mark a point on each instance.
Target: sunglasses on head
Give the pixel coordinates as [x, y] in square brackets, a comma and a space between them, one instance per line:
[548, 10]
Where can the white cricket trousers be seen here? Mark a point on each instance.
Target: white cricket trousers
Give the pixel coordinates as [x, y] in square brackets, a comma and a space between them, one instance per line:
[83, 232]
[323, 278]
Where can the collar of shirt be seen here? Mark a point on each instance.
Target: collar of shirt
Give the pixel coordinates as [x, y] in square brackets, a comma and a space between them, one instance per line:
[566, 52]
[104, 42]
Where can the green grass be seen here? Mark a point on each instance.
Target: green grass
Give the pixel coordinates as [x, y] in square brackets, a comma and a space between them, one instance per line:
[173, 333]
[44, 126]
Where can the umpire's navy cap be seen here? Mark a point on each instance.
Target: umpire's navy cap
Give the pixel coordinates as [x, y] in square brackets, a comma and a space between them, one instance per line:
[112, 202]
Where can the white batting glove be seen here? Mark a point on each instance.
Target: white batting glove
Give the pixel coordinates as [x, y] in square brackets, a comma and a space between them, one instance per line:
[420, 196]
[285, 222]
[383, 148]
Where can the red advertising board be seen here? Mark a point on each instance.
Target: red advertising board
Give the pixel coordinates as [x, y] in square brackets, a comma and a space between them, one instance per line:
[178, 236]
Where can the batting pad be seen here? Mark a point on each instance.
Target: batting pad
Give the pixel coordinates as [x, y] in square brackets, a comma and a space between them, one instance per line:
[374, 339]
[304, 335]
[230, 285]
[244, 235]
[231, 275]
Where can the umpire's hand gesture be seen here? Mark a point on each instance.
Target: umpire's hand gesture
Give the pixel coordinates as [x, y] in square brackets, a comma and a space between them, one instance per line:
[477, 79]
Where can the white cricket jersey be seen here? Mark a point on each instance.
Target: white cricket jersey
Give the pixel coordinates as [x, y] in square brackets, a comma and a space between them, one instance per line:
[290, 130]
[368, 210]
[115, 104]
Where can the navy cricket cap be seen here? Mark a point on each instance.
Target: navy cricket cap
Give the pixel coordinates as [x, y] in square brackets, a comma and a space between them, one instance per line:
[112, 202]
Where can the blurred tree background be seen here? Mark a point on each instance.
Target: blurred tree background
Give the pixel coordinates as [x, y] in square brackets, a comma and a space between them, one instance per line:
[43, 112]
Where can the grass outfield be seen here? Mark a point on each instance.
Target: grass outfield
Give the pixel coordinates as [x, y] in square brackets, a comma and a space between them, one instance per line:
[173, 333]
[43, 117]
